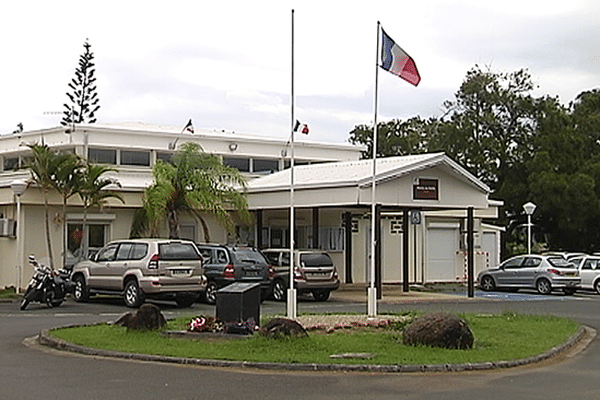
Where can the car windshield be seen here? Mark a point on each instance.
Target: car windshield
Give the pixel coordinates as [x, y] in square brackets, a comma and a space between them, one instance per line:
[560, 262]
[178, 251]
[315, 259]
[248, 254]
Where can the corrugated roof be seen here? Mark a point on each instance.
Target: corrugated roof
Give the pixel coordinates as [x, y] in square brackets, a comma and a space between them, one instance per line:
[358, 173]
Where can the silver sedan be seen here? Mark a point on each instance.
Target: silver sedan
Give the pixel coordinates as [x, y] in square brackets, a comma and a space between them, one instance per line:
[531, 271]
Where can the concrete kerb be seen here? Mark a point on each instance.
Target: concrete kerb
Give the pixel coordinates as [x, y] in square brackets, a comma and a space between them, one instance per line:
[45, 339]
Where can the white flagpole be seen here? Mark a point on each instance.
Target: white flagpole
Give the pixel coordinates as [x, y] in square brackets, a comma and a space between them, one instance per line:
[372, 291]
[291, 293]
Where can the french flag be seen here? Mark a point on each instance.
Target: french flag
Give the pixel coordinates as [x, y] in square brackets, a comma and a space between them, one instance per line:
[396, 61]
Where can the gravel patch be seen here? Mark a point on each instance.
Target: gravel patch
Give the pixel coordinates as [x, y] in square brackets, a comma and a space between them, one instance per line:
[329, 323]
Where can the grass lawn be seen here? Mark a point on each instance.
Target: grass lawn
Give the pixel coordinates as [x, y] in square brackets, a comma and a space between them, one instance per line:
[506, 336]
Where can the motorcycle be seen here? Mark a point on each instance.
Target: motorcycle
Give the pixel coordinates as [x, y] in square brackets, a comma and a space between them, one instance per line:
[47, 286]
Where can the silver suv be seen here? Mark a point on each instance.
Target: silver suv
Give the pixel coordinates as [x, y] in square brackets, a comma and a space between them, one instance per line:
[141, 268]
[314, 273]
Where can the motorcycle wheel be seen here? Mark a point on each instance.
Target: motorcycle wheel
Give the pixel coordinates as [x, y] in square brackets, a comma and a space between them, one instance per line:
[24, 303]
[26, 300]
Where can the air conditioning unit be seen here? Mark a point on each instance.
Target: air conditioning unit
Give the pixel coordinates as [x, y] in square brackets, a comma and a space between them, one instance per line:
[8, 227]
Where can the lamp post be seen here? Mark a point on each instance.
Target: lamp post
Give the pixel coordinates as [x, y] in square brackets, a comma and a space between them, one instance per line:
[529, 210]
[18, 187]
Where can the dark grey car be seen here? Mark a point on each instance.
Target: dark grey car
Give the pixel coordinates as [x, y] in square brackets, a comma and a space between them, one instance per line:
[225, 264]
[539, 272]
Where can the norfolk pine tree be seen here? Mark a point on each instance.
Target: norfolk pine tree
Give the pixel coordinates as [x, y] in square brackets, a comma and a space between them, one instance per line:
[83, 98]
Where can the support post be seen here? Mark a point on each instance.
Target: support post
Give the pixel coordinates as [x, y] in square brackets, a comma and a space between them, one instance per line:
[315, 227]
[348, 247]
[470, 253]
[405, 251]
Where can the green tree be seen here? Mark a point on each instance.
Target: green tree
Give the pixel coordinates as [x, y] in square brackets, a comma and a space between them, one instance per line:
[490, 123]
[83, 98]
[93, 190]
[394, 138]
[196, 183]
[66, 183]
[45, 166]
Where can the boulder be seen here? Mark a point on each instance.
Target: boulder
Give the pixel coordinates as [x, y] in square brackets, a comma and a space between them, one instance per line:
[439, 330]
[282, 327]
[148, 317]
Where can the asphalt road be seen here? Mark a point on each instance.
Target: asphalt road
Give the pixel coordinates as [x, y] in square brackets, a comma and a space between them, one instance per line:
[28, 371]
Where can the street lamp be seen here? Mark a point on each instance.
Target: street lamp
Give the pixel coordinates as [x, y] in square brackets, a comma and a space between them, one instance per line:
[18, 187]
[529, 209]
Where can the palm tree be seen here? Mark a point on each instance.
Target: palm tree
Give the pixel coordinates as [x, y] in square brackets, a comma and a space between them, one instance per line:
[93, 190]
[66, 184]
[196, 183]
[44, 166]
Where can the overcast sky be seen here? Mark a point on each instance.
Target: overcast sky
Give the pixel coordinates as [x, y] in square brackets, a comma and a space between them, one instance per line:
[227, 64]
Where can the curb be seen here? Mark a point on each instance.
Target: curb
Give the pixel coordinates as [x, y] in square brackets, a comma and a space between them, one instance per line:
[45, 339]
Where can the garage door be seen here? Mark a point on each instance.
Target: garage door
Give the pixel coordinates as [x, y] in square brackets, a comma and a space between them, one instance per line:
[441, 251]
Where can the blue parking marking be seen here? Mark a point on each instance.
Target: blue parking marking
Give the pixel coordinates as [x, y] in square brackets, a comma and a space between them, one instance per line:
[524, 296]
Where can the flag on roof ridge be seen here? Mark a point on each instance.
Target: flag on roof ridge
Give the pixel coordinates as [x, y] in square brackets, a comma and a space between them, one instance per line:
[301, 128]
[189, 127]
[397, 61]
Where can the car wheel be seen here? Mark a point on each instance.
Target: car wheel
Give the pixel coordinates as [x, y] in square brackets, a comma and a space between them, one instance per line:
[487, 283]
[543, 286]
[569, 291]
[320, 295]
[279, 290]
[597, 286]
[184, 301]
[211, 293]
[80, 292]
[133, 295]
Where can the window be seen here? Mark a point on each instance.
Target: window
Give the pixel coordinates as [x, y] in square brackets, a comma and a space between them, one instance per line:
[107, 254]
[138, 251]
[514, 263]
[102, 156]
[123, 252]
[11, 163]
[241, 164]
[178, 251]
[264, 165]
[166, 157]
[532, 262]
[141, 158]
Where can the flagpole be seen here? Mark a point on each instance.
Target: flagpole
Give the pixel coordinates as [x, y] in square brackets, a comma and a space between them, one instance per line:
[372, 291]
[291, 293]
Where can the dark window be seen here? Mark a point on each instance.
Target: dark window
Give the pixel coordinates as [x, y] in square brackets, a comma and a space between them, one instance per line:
[102, 156]
[262, 165]
[108, 253]
[11, 163]
[141, 158]
[139, 251]
[178, 251]
[123, 252]
[514, 263]
[241, 164]
[316, 260]
[166, 157]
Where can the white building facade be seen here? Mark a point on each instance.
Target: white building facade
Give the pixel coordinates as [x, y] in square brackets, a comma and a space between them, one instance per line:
[332, 191]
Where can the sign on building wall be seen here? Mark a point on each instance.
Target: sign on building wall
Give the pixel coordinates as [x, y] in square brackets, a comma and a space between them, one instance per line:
[425, 189]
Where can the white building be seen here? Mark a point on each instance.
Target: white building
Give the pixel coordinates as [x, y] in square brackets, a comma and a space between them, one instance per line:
[332, 192]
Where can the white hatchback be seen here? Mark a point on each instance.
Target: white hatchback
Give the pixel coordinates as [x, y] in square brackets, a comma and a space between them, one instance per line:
[589, 271]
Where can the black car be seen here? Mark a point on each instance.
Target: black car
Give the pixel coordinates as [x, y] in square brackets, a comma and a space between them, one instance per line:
[225, 264]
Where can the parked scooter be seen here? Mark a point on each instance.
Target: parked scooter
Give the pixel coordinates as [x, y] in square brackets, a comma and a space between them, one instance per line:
[47, 286]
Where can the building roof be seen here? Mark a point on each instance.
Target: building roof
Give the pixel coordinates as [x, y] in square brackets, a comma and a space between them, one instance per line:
[360, 173]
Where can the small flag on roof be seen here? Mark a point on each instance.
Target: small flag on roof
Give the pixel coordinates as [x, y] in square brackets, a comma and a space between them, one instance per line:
[301, 128]
[397, 61]
[189, 127]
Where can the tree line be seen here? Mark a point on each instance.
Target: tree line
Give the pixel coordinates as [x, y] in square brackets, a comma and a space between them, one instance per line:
[525, 148]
